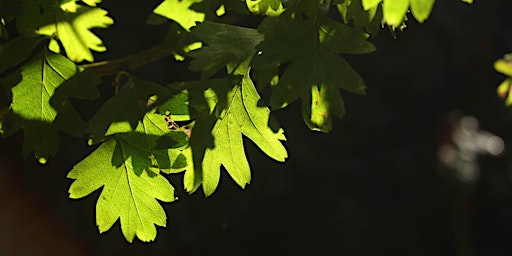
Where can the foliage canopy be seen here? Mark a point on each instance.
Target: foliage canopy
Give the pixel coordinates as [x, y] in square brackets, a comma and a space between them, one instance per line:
[147, 130]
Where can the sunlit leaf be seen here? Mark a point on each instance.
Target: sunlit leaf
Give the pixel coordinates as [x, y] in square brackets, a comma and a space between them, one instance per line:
[126, 195]
[421, 9]
[394, 11]
[180, 11]
[369, 4]
[265, 7]
[124, 110]
[241, 116]
[42, 78]
[73, 31]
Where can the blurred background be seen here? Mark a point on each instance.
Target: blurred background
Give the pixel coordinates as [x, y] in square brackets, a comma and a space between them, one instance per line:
[394, 177]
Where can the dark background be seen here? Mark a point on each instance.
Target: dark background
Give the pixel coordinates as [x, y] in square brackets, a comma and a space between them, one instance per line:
[373, 186]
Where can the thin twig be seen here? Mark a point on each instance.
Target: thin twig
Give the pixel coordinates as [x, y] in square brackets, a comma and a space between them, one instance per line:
[130, 62]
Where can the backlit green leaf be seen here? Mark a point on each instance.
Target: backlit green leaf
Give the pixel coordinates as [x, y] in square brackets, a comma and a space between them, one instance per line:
[503, 66]
[126, 195]
[265, 7]
[73, 31]
[123, 111]
[369, 4]
[180, 12]
[394, 11]
[421, 9]
[42, 78]
[242, 116]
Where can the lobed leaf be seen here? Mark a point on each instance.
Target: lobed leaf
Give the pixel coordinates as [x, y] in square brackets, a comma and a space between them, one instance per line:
[123, 111]
[40, 104]
[240, 115]
[126, 195]
[180, 12]
[265, 7]
[227, 44]
[315, 71]
[73, 31]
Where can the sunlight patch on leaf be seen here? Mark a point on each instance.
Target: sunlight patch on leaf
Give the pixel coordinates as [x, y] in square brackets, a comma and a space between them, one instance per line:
[315, 71]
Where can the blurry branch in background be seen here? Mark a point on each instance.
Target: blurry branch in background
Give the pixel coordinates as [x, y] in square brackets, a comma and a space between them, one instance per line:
[467, 143]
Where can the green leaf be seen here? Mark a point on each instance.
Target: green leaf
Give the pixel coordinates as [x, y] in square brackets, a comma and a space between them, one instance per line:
[154, 145]
[368, 21]
[123, 111]
[315, 70]
[265, 7]
[43, 77]
[30, 17]
[17, 50]
[421, 9]
[126, 195]
[73, 31]
[180, 12]
[91, 2]
[394, 11]
[503, 66]
[369, 4]
[238, 115]
[227, 44]
[503, 91]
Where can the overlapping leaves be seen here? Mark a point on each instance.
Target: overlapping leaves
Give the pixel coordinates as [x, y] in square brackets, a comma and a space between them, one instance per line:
[137, 145]
[231, 110]
[127, 194]
[504, 66]
[39, 100]
[146, 129]
[217, 139]
[395, 10]
[315, 71]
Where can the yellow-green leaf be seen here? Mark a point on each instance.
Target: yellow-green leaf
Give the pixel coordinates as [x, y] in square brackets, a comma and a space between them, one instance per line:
[179, 11]
[504, 67]
[73, 31]
[126, 195]
[369, 4]
[394, 11]
[421, 9]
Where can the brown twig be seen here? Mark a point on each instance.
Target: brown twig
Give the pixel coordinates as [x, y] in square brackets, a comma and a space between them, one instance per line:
[130, 62]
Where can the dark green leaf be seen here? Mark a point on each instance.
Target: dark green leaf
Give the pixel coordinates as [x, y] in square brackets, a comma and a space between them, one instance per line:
[315, 70]
[227, 44]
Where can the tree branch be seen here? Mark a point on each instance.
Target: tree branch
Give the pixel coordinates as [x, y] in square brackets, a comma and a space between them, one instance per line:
[130, 62]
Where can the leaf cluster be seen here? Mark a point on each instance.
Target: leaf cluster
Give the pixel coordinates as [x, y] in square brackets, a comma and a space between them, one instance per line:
[146, 130]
